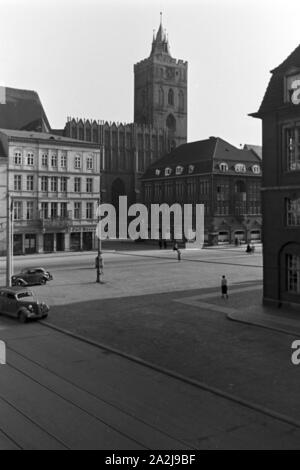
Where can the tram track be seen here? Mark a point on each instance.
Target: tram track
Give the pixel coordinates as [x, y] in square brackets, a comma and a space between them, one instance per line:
[280, 417]
[94, 396]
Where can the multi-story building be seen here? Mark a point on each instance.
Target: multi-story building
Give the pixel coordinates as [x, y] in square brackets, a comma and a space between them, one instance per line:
[280, 114]
[54, 185]
[212, 172]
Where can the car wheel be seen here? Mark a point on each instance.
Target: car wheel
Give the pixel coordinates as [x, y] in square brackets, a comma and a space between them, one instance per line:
[22, 317]
[43, 281]
[19, 282]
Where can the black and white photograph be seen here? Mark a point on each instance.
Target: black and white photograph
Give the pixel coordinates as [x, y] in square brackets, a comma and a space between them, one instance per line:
[150, 227]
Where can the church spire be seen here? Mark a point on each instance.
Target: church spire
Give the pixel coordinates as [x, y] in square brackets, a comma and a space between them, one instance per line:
[160, 43]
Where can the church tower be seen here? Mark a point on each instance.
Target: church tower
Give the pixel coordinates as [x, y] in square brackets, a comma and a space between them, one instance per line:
[160, 90]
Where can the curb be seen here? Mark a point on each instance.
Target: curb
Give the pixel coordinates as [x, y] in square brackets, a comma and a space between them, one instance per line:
[231, 317]
[195, 383]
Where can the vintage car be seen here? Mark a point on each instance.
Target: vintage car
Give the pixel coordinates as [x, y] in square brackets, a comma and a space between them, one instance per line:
[21, 303]
[31, 276]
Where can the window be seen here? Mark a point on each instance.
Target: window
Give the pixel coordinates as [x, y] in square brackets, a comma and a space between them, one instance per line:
[53, 184]
[240, 168]
[64, 210]
[53, 212]
[168, 171]
[17, 210]
[17, 158]
[64, 184]
[179, 170]
[179, 190]
[44, 210]
[161, 97]
[191, 168]
[30, 158]
[293, 212]
[77, 210]
[292, 148]
[293, 274]
[29, 183]
[256, 169]
[181, 100]
[89, 185]
[54, 160]
[89, 163]
[29, 210]
[63, 160]
[44, 184]
[191, 189]
[77, 162]
[18, 183]
[77, 185]
[223, 167]
[44, 159]
[171, 97]
[203, 187]
[89, 210]
[290, 87]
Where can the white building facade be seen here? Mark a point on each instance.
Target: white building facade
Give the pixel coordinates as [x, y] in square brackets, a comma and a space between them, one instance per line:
[54, 186]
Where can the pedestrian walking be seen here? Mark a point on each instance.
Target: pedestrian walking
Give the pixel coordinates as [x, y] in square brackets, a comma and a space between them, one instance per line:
[165, 244]
[224, 287]
[178, 255]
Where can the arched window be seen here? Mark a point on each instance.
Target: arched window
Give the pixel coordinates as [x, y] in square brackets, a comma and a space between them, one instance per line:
[181, 100]
[171, 123]
[161, 97]
[171, 97]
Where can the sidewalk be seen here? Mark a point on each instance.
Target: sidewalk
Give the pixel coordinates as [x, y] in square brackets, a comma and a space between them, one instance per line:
[248, 308]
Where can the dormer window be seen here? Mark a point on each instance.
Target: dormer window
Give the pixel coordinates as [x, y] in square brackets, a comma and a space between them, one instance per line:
[223, 167]
[292, 89]
[168, 171]
[179, 170]
[191, 168]
[256, 169]
[240, 168]
[157, 172]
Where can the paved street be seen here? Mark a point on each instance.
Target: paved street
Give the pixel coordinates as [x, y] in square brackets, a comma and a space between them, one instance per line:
[231, 379]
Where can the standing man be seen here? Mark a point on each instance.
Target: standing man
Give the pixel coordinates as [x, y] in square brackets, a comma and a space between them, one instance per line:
[224, 287]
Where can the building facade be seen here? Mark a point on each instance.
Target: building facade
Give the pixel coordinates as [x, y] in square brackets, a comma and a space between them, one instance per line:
[212, 172]
[54, 186]
[280, 114]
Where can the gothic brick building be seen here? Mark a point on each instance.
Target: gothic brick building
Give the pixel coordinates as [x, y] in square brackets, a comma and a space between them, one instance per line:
[160, 123]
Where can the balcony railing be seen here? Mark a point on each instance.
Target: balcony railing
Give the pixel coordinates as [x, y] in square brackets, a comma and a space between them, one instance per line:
[56, 222]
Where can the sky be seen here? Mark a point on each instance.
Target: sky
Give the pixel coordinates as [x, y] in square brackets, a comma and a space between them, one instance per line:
[79, 56]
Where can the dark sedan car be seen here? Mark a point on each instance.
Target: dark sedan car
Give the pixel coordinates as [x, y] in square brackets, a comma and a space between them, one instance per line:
[31, 276]
[21, 303]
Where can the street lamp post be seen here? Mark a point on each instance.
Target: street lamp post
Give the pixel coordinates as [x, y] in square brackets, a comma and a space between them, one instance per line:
[9, 240]
[99, 260]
